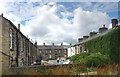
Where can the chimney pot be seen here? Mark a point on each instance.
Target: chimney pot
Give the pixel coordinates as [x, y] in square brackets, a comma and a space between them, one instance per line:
[35, 42]
[114, 22]
[104, 25]
[44, 44]
[52, 44]
[61, 44]
[2, 14]
[19, 26]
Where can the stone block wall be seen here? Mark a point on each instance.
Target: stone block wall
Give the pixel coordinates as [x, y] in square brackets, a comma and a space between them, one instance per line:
[0, 45]
[22, 53]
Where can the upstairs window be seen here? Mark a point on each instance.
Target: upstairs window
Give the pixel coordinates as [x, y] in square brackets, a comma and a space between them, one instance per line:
[40, 51]
[46, 51]
[59, 50]
[10, 38]
[55, 50]
[46, 56]
[55, 56]
[22, 47]
[50, 50]
[50, 56]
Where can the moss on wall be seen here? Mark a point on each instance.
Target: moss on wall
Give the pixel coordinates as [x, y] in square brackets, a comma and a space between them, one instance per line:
[107, 44]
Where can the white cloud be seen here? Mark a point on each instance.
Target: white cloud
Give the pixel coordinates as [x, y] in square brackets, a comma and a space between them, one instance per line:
[45, 26]
[86, 21]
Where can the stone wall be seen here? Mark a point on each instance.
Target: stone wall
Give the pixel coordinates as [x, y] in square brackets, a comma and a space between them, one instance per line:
[22, 52]
[5, 45]
[0, 45]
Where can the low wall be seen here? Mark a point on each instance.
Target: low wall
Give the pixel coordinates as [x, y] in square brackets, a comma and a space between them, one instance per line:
[31, 70]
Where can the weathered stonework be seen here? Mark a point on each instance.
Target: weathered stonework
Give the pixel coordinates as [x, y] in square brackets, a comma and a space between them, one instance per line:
[0, 45]
[22, 51]
[55, 51]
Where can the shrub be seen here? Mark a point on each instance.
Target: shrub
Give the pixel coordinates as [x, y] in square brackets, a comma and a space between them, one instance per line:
[95, 60]
[79, 56]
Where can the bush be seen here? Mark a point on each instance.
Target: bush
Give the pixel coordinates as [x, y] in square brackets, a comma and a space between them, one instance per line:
[79, 56]
[95, 60]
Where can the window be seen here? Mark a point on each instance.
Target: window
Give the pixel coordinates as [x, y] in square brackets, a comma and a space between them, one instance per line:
[55, 56]
[50, 50]
[59, 50]
[55, 50]
[10, 38]
[21, 44]
[46, 56]
[40, 51]
[50, 56]
[46, 50]
[59, 55]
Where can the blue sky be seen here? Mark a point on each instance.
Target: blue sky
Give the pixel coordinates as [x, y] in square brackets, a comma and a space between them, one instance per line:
[59, 21]
[113, 13]
[71, 6]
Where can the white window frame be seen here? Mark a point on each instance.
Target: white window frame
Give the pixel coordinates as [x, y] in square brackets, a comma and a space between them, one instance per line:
[49, 50]
[50, 56]
[55, 50]
[46, 51]
[10, 38]
[59, 50]
[40, 51]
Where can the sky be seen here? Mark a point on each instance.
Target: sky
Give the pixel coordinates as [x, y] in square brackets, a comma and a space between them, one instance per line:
[59, 22]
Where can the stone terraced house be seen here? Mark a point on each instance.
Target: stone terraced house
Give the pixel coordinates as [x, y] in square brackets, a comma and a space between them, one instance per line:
[79, 47]
[16, 49]
[52, 52]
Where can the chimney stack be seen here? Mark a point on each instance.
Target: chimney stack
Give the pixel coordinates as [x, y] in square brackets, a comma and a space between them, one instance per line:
[52, 44]
[80, 39]
[36, 42]
[2, 14]
[104, 25]
[103, 29]
[85, 37]
[93, 34]
[61, 44]
[18, 26]
[114, 22]
[44, 44]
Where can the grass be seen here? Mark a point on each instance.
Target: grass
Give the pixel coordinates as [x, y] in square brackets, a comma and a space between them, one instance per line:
[75, 69]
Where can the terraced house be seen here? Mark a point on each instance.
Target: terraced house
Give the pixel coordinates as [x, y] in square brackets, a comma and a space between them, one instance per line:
[52, 52]
[15, 48]
[79, 47]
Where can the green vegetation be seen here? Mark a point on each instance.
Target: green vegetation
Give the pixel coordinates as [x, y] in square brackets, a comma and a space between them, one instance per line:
[107, 44]
[95, 60]
[74, 69]
[90, 60]
[78, 57]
